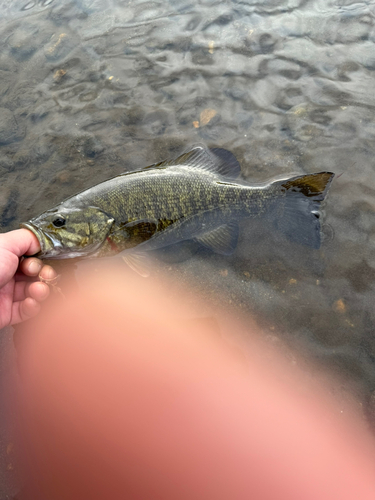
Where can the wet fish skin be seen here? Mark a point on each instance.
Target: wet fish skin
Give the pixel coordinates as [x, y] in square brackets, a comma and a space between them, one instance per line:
[194, 196]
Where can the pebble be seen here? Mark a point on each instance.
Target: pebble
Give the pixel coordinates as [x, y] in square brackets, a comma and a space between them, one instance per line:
[58, 75]
[59, 46]
[206, 116]
[339, 306]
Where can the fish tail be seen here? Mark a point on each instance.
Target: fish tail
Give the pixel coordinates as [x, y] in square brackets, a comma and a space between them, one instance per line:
[298, 212]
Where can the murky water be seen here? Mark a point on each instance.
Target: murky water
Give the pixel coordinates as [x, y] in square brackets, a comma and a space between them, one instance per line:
[91, 88]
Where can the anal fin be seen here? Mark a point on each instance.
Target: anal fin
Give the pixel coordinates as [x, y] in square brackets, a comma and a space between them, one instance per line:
[222, 240]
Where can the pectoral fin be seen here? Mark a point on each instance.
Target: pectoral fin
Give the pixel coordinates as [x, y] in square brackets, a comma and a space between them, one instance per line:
[222, 240]
[141, 228]
[139, 262]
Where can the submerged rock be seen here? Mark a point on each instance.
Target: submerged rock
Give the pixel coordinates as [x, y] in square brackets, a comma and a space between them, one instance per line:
[10, 129]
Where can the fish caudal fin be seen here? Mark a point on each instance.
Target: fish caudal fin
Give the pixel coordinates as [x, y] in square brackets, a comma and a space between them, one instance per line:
[298, 212]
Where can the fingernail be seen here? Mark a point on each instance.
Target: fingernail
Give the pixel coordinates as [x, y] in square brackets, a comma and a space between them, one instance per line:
[48, 272]
[34, 267]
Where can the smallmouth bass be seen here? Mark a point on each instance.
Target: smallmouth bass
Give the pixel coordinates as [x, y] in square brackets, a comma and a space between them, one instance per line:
[195, 196]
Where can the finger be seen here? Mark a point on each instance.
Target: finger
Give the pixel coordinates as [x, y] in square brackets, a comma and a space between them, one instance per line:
[31, 267]
[48, 273]
[34, 267]
[20, 291]
[36, 290]
[20, 242]
[24, 309]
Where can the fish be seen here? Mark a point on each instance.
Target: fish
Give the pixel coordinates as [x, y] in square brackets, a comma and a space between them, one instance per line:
[196, 196]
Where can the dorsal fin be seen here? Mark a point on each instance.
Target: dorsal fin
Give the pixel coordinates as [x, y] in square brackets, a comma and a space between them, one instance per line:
[216, 160]
[226, 163]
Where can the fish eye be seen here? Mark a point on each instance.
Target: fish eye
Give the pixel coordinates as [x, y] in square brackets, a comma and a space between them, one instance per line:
[59, 222]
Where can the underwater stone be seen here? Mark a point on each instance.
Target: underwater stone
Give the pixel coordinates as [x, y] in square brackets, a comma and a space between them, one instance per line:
[24, 42]
[10, 129]
[6, 164]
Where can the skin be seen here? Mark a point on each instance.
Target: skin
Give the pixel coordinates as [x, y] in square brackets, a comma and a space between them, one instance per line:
[123, 398]
[20, 297]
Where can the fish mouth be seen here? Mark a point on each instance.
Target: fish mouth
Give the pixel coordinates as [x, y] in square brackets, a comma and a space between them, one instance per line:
[49, 246]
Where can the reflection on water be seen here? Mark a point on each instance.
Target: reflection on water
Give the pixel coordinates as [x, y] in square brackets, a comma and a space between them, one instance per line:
[90, 89]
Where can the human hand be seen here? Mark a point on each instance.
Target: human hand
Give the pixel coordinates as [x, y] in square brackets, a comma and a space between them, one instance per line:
[123, 397]
[19, 297]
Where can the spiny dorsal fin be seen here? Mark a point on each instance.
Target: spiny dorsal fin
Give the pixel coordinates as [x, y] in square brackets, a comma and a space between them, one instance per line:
[311, 185]
[226, 163]
[222, 240]
[216, 160]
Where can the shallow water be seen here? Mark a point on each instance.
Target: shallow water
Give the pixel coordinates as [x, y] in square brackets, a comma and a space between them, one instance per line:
[89, 89]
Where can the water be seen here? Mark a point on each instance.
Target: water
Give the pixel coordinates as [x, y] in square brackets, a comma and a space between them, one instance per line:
[89, 89]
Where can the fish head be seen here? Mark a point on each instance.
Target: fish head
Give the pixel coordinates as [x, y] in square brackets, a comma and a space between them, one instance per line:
[65, 233]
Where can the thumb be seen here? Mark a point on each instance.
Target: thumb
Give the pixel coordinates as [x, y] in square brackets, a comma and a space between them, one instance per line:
[20, 242]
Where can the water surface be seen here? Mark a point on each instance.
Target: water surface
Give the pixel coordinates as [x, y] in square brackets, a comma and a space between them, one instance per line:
[90, 89]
